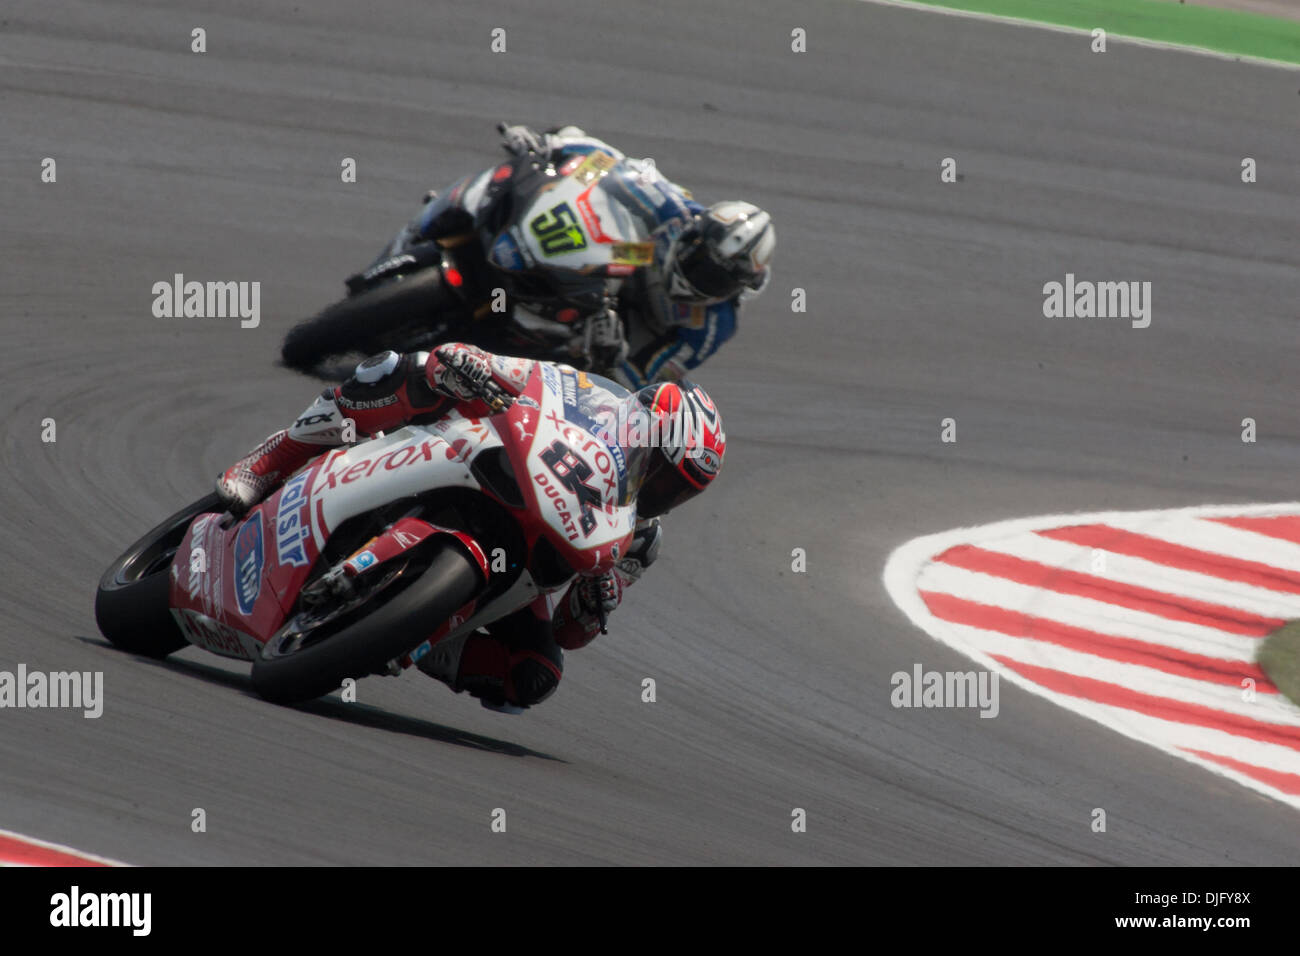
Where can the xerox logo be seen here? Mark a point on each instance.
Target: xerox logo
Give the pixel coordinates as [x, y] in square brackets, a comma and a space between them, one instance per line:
[399, 457]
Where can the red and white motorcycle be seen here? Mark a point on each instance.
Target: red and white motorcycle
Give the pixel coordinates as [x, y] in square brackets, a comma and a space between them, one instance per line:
[370, 554]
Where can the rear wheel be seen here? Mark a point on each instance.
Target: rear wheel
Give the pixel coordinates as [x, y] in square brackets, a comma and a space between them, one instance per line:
[132, 605]
[402, 314]
[317, 650]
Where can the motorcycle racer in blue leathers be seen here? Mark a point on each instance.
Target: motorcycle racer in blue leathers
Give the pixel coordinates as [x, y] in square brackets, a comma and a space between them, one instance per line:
[666, 317]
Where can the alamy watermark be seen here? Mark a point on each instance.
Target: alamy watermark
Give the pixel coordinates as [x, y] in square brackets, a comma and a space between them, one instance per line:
[133, 911]
[74, 689]
[637, 427]
[1085, 299]
[208, 300]
[922, 688]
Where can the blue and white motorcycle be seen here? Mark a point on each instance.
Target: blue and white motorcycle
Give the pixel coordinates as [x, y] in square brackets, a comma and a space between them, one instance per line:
[525, 258]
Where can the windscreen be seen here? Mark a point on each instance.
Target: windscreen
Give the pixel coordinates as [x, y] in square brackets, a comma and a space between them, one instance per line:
[610, 412]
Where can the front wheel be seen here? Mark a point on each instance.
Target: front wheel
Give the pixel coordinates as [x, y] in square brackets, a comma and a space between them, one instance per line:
[410, 605]
[395, 315]
[132, 605]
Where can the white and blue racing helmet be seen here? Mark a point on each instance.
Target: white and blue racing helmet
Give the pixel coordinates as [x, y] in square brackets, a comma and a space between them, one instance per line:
[724, 251]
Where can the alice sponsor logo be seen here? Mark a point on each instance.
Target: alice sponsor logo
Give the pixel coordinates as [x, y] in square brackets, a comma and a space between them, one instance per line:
[75, 689]
[293, 523]
[77, 909]
[208, 300]
[1084, 299]
[922, 688]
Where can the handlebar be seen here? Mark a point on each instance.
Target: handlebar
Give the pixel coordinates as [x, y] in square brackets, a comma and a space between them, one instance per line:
[497, 398]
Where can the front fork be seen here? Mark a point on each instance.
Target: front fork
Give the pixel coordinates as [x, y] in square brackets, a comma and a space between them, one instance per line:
[394, 541]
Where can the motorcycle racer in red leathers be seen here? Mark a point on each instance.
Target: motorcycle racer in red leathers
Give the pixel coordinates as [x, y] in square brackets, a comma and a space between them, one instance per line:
[516, 661]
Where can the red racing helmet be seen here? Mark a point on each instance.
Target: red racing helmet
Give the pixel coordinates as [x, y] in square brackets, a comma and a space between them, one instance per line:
[688, 445]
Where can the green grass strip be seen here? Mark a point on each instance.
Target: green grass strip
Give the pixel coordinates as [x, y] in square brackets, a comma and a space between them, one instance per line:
[1279, 658]
[1227, 31]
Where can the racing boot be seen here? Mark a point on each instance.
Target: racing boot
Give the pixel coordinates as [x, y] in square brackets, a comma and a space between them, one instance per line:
[442, 663]
[248, 480]
[254, 476]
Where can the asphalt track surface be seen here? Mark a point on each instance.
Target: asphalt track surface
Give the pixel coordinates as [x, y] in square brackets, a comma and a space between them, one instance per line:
[924, 302]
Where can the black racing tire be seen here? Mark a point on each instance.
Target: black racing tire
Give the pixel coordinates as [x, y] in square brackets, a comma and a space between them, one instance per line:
[388, 316]
[366, 644]
[132, 606]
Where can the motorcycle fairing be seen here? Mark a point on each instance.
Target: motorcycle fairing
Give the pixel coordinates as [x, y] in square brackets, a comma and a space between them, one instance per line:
[570, 468]
[232, 587]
